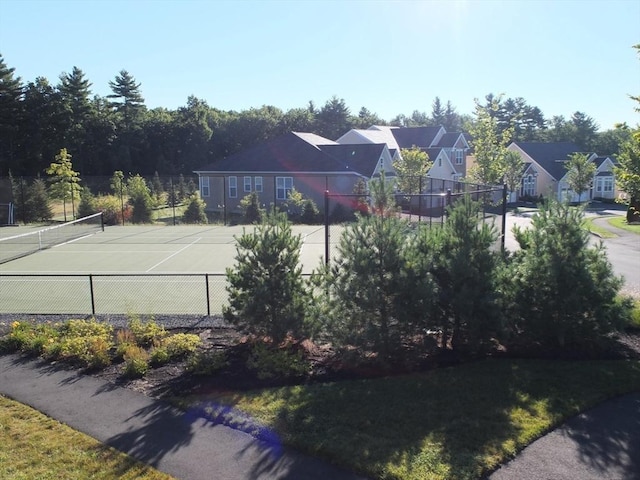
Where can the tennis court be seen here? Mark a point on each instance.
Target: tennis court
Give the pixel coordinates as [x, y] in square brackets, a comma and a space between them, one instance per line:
[134, 269]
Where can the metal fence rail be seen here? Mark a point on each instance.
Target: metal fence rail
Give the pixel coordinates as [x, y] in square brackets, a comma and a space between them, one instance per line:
[93, 294]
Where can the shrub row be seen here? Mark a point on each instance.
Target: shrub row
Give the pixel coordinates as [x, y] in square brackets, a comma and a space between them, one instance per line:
[393, 282]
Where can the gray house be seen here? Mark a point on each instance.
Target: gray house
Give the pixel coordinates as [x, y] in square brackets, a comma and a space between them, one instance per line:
[307, 162]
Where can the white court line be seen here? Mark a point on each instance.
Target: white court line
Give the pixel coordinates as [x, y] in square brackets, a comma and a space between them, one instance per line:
[71, 241]
[174, 254]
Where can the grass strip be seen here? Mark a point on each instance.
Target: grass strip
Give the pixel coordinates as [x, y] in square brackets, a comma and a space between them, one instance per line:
[458, 422]
[36, 447]
[621, 222]
[590, 225]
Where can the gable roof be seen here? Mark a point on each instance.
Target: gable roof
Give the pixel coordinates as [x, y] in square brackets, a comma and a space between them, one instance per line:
[550, 156]
[371, 135]
[423, 137]
[449, 140]
[361, 158]
[296, 152]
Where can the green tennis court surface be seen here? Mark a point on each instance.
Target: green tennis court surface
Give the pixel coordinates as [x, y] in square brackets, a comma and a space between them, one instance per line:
[136, 269]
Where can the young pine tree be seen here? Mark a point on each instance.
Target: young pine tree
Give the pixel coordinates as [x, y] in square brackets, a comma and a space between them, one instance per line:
[464, 268]
[563, 291]
[252, 212]
[267, 294]
[195, 212]
[366, 285]
[140, 199]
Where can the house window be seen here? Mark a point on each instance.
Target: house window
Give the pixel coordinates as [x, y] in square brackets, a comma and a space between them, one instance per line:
[204, 186]
[233, 187]
[529, 186]
[257, 181]
[284, 185]
[440, 161]
[247, 184]
[608, 184]
[598, 184]
[459, 157]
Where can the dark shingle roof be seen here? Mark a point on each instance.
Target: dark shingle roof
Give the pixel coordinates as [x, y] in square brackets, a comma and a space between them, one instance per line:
[361, 158]
[419, 136]
[448, 140]
[550, 156]
[301, 152]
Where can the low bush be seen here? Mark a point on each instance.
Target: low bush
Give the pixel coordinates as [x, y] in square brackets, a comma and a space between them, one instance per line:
[136, 362]
[174, 347]
[114, 212]
[206, 363]
[146, 332]
[124, 339]
[273, 362]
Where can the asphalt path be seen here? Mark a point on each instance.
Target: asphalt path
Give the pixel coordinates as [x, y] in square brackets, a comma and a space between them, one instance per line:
[600, 444]
[182, 444]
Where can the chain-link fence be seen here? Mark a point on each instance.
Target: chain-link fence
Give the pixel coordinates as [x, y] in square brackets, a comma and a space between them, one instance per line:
[425, 202]
[94, 294]
[168, 194]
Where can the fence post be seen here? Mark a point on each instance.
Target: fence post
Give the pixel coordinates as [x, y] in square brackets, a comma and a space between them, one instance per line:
[206, 280]
[504, 216]
[93, 300]
[173, 200]
[23, 210]
[326, 227]
[447, 202]
[122, 199]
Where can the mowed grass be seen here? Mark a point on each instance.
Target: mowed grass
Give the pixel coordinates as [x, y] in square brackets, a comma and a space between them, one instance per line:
[621, 222]
[459, 422]
[602, 232]
[36, 447]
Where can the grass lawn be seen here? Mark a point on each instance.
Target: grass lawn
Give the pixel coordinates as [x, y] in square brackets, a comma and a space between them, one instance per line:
[598, 230]
[36, 447]
[457, 422]
[621, 222]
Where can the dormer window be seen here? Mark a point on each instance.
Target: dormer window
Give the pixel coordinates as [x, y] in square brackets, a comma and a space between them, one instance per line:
[459, 156]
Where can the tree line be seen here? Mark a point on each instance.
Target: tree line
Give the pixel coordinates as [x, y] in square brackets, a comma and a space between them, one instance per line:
[119, 133]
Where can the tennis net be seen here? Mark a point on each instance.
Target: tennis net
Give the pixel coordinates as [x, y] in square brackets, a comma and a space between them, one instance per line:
[28, 243]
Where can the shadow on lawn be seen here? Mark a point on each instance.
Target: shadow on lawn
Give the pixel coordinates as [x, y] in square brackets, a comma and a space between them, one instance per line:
[460, 422]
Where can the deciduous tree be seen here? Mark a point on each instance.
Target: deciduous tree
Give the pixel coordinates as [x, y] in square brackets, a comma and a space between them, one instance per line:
[411, 168]
[580, 172]
[489, 144]
[64, 181]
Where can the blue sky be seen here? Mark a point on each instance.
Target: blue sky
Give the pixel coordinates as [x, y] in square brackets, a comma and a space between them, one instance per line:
[390, 56]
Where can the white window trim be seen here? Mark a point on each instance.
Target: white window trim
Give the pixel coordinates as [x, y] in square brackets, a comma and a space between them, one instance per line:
[204, 186]
[233, 184]
[459, 156]
[247, 184]
[282, 191]
[608, 184]
[257, 182]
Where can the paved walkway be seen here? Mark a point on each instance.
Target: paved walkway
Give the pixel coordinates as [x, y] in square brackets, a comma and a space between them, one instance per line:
[602, 444]
[181, 444]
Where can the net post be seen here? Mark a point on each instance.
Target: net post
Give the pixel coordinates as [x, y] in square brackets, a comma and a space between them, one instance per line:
[93, 298]
[206, 281]
[102, 221]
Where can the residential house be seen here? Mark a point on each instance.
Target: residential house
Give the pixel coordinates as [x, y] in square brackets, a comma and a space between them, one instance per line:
[447, 151]
[307, 162]
[545, 171]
